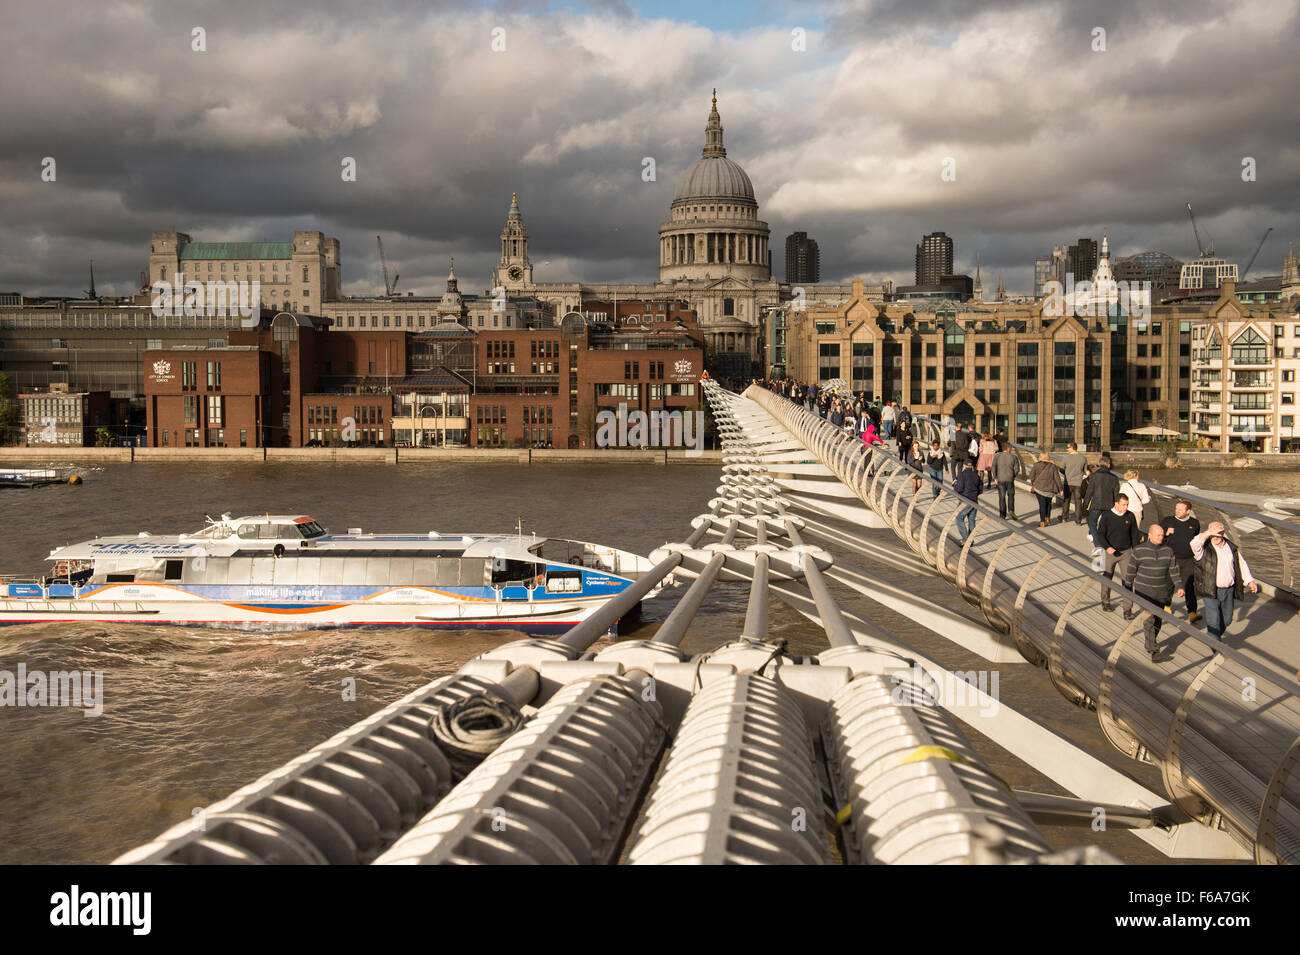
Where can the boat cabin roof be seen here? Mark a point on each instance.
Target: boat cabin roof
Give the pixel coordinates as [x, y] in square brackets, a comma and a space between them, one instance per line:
[301, 535]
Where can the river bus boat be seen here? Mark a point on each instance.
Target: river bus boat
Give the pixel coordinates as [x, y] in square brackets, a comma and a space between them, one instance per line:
[287, 572]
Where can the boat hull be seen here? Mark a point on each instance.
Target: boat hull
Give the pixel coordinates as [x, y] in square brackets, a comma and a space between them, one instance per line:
[538, 620]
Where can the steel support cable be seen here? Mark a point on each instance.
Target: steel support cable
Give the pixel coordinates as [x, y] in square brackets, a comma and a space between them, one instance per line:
[673, 629]
[756, 611]
[584, 634]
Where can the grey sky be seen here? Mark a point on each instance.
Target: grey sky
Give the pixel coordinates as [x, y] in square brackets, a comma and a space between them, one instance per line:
[844, 140]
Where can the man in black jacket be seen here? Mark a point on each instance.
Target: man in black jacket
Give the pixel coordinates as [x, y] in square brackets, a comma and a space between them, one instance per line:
[960, 450]
[1179, 531]
[1116, 535]
[1103, 486]
[1153, 574]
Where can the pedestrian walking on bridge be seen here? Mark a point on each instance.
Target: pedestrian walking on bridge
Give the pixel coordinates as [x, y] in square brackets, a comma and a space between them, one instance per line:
[1045, 482]
[1006, 468]
[1117, 534]
[1076, 469]
[1152, 574]
[1221, 577]
[968, 486]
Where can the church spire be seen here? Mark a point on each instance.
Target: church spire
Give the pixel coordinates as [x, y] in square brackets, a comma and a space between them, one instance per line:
[713, 131]
[1002, 292]
[977, 292]
[90, 293]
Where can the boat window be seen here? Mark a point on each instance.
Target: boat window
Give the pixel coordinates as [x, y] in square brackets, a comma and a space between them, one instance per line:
[213, 572]
[423, 572]
[240, 571]
[475, 572]
[263, 569]
[400, 571]
[286, 571]
[120, 578]
[248, 531]
[354, 571]
[377, 571]
[174, 568]
[267, 532]
[288, 532]
[311, 529]
[449, 573]
[331, 571]
[516, 572]
[308, 570]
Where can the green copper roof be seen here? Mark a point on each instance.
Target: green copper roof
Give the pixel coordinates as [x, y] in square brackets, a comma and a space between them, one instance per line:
[236, 250]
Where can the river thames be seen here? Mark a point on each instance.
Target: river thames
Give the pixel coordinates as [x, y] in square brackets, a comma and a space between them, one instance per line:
[191, 715]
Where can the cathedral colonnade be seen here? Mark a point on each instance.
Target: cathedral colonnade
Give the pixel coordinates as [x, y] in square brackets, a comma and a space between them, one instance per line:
[713, 248]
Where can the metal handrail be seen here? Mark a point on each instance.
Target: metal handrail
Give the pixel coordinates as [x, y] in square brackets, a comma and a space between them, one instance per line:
[1199, 781]
[1280, 677]
[1273, 523]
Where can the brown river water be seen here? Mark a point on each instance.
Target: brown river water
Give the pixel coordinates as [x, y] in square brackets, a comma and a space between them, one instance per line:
[191, 715]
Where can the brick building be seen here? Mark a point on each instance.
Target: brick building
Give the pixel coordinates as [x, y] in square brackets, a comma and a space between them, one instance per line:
[62, 417]
[198, 397]
[1047, 378]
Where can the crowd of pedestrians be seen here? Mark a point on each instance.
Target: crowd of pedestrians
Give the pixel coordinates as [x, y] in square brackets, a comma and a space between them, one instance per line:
[1159, 558]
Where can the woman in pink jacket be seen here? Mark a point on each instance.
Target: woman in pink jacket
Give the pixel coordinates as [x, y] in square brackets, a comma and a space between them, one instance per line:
[869, 436]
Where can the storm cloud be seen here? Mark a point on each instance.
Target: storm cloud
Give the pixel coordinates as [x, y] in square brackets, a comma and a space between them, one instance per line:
[845, 139]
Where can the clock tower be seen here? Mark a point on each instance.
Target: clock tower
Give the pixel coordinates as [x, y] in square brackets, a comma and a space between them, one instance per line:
[514, 271]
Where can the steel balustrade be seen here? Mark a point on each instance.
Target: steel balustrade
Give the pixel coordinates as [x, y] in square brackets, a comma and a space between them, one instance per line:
[1223, 727]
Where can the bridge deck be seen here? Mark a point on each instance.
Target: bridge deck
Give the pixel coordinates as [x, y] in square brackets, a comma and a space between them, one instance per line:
[1264, 628]
[1222, 726]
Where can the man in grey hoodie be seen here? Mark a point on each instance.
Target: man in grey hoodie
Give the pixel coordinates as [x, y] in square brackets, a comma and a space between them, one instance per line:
[1006, 467]
[1076, 465]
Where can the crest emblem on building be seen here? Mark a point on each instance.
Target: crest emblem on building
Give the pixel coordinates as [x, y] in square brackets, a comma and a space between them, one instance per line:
[682, 367]
[162, 367]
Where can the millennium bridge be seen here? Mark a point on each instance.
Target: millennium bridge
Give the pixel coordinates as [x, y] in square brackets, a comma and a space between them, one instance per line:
[545, 751]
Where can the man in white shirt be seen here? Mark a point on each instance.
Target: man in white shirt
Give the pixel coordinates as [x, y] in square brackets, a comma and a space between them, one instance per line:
[1221, 577]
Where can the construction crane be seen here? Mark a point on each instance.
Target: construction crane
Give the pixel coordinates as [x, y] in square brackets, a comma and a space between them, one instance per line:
[1253, 257]
[389, 287]
[1200, 248]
